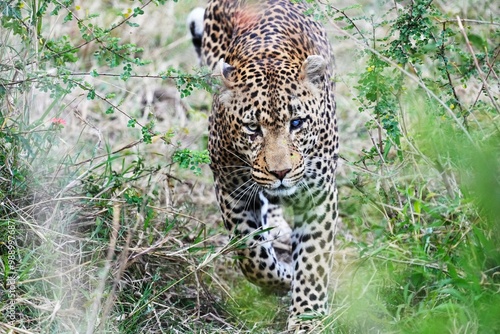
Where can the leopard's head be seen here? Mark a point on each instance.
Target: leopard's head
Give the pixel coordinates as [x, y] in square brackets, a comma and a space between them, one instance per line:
[271, 115]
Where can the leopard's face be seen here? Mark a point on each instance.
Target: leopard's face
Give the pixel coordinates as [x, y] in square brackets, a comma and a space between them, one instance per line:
[272, 123]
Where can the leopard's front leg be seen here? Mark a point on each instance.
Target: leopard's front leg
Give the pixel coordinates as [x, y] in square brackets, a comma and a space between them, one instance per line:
[247, 219]
[312, 251]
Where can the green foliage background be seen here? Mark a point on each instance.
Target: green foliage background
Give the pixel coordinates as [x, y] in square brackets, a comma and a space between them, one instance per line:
[108, 221]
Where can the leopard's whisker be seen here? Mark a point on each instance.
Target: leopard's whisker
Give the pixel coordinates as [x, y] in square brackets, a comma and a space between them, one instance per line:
[238, 157]
[237, 170]
[240, 192]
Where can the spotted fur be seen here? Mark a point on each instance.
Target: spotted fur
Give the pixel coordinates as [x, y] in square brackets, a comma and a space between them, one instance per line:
[273, 143]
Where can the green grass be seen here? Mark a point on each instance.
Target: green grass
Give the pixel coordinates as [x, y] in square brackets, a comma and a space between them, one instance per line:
[108, 221]
[256, 310]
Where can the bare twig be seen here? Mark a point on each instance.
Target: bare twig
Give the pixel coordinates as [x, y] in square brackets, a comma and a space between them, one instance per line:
[471, 21]
[126, 147]
[441, 54]
[476, 63]
[351, 22]
[491, 71]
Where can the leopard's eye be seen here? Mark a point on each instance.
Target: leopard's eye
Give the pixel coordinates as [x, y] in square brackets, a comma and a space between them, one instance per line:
[296, 124]
[253, 130]
[252, 127]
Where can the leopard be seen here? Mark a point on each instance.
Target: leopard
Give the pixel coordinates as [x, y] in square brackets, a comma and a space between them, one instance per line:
[273, 143]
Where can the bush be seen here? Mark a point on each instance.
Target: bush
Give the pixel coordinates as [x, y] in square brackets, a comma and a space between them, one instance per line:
[431, 173]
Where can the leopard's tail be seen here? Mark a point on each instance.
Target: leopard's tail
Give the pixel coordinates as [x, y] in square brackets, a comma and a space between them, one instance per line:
[195, 25]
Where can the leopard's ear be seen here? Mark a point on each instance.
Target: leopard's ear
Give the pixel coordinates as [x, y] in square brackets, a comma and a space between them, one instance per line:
[225, 73]
[313, 70]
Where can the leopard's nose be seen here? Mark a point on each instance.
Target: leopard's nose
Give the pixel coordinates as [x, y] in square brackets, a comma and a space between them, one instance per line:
[280, 174]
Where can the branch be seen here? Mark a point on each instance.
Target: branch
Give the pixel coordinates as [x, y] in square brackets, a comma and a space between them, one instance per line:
[141, 76]
[95, 38]
[470, 21]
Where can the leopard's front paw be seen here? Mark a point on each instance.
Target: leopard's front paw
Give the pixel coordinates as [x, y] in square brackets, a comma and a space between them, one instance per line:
[305, 323]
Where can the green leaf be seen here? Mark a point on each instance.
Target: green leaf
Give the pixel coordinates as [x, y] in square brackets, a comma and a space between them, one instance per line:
[131, 123]
[91, 94]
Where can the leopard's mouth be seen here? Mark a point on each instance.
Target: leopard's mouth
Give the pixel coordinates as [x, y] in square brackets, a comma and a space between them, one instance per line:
[281, 191]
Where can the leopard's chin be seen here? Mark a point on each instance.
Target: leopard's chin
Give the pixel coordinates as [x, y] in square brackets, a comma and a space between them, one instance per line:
[281, 191]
